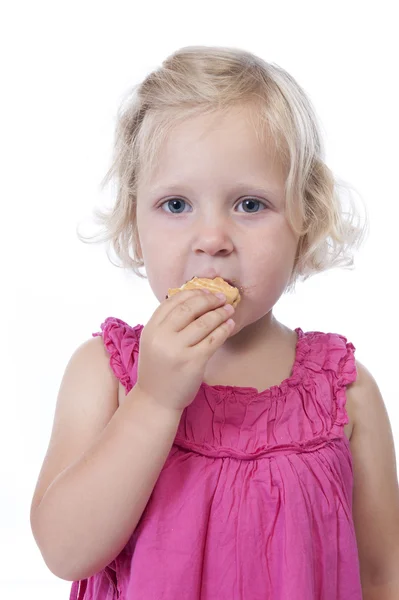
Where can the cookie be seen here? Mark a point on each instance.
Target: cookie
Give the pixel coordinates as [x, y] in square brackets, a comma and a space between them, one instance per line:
[216, 285]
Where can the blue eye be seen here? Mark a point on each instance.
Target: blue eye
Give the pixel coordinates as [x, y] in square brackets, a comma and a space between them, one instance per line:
[250, 202]
[175, 202]
[178, 202]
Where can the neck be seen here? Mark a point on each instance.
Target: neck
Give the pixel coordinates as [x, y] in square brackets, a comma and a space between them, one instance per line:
[242, 358]
[260, 334]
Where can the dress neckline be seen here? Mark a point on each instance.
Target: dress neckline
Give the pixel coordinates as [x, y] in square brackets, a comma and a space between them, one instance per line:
[274, 390]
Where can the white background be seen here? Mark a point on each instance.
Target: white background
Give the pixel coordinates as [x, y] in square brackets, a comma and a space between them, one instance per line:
[65, 67]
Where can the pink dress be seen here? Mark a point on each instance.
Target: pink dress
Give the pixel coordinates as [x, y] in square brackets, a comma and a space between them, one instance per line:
[255, 499]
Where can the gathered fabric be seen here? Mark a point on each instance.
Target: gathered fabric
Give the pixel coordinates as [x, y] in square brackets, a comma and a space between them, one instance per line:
[254, 501]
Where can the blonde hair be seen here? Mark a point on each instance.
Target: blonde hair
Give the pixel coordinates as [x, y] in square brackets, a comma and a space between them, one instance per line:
[200, 80]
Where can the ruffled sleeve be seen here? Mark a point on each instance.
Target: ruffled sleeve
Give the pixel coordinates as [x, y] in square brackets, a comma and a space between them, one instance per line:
[346, 374]
[342, 364]
[122, 343]
[333, 355]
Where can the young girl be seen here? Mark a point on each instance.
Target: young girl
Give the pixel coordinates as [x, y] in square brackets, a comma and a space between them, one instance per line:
[216, 454]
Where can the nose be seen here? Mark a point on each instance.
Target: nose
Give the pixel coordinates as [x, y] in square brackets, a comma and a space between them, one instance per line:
[213, 236]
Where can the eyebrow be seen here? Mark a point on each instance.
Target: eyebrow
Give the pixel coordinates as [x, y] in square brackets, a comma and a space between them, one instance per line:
[271, 192]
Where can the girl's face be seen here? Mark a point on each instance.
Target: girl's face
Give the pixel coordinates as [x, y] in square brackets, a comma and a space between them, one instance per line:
[215, 206]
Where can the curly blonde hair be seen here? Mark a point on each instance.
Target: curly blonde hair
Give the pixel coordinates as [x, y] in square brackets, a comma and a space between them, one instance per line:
[201, 80]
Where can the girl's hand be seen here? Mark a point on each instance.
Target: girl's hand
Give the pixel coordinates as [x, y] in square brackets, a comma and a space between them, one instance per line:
[176, 344]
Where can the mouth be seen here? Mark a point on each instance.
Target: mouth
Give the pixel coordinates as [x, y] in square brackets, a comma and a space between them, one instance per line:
[231, 282]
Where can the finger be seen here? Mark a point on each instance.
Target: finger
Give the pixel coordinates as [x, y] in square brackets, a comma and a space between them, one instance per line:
[204, 325]
[214, 340]
[170, 303]
[191, 309]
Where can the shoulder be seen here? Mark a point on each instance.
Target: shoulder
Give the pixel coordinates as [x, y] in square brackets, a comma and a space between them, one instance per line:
[364, 402]
[91, 360]
[372, 429]
[364, 394]
[91, 351]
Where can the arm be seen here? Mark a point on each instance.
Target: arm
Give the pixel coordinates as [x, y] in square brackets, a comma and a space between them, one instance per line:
[100, 468]
[376, 492]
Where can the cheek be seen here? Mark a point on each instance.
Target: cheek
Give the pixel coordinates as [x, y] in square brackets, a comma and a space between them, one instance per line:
[161, 264]
[276, 248]
[155, 234]
[158, 280]
[272, 261]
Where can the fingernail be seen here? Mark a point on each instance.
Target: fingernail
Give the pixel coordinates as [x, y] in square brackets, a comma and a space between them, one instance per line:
[221, 296]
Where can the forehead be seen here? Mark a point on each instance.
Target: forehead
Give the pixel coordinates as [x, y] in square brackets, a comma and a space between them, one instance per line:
[221, 144]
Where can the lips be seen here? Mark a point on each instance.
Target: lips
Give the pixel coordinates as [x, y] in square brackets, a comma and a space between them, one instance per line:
[231, 282]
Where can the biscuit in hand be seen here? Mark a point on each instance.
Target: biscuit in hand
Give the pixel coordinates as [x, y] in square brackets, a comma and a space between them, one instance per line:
[215, 286]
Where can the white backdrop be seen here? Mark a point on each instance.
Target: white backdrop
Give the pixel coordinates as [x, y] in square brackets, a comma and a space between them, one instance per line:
[65, 67]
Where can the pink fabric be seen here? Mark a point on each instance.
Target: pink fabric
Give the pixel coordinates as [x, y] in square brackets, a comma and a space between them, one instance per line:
[255, 499]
